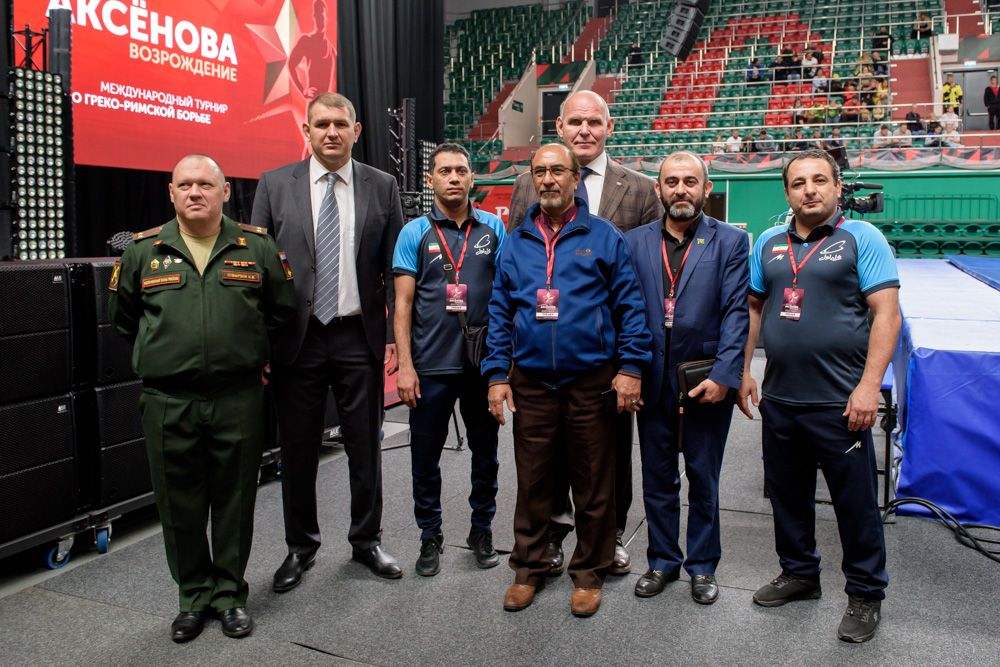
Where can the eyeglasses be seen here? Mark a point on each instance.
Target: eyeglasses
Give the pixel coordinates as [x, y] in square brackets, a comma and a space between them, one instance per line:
[557, 171]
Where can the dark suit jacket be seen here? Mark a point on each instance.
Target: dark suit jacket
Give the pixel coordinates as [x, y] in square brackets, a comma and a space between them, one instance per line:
[711, 316]
[990, 99]
[627, 200]
[283, 206]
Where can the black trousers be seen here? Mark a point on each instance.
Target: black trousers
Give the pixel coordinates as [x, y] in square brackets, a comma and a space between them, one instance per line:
[994, 112]
[335, 356]
[562, 507]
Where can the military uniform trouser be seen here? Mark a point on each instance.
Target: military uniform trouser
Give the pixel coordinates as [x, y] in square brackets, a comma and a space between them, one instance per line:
[204, 456]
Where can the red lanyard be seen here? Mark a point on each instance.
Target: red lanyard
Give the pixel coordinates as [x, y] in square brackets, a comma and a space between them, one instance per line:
[461, 258]
[666, 263]
[791, 255]
[550, 248]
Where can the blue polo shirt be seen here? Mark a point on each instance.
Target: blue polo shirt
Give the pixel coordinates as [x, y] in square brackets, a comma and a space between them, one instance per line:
[818, 359]
[436, 340]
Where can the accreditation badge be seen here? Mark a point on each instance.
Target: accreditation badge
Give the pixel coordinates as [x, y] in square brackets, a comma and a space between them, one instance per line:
[668, 312]
[791, 305]
[547, 304]
[456, 299]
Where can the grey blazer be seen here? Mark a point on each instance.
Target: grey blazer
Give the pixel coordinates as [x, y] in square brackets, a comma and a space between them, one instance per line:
[283, 206]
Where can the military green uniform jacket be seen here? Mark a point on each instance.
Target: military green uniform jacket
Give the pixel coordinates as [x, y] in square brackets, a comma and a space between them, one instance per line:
[201, 335]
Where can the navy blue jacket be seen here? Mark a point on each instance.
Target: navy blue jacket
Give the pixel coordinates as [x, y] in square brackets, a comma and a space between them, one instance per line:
[601, 314]
[711, 316]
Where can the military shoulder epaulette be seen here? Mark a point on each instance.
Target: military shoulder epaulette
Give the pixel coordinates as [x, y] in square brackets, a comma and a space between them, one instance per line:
[256, 230]
[149, 233]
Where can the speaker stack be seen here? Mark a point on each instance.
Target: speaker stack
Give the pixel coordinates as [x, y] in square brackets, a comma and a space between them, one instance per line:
[112, 448]
[682, 31]
[37, 422]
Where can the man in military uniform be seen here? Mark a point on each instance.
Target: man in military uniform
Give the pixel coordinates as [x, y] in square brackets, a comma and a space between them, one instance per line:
[199, 298]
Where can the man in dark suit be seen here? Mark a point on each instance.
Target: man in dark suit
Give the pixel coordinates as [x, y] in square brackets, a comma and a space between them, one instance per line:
[627, 199]
[693, 271]
[337, 220]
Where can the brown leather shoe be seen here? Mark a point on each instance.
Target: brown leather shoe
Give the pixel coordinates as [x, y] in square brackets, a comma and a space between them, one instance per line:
[586, 601]
[622, 563]
[518, 597]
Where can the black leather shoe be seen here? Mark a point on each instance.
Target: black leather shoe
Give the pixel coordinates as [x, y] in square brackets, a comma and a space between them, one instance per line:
[704, 590]
[554, 557]
[289, 575]
[652, 583]
[378, 562]
[236, 622]
[187, 626]
[621, 564]
[429, 562]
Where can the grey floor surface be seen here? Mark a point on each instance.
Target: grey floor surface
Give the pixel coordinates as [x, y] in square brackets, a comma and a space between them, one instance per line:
[942, 604]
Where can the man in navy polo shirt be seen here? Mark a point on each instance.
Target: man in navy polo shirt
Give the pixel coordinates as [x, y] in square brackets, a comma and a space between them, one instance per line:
[430, 346]
[814, 281]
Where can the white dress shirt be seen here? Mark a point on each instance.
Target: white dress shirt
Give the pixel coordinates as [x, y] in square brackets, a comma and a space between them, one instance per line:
[595, 181]
[349, 302]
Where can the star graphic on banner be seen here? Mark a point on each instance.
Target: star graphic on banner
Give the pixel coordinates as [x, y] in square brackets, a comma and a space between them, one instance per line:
[274, 43]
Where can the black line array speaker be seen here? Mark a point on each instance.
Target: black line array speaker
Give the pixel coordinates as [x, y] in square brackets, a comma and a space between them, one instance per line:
[682, 32]
[34, 330]
[112, 354]
[37, 465]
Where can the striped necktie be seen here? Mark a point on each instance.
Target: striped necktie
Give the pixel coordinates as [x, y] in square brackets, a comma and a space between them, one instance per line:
[326, 295]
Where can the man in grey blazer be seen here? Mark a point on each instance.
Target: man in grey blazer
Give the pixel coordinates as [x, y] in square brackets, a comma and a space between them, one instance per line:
[628, 199]
[337, 220]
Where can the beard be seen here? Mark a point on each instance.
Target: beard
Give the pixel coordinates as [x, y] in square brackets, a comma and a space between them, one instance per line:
[685, 210]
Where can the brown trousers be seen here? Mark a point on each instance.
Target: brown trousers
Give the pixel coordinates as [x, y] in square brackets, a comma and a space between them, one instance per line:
[564, 428]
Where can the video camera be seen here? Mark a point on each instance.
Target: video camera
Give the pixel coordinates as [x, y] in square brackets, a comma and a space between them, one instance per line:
[873, 203]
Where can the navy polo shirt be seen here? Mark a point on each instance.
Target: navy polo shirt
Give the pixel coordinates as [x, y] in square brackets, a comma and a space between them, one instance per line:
[818, 359]
[436, 339]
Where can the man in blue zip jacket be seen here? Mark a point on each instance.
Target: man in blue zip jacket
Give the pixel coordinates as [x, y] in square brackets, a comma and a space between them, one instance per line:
[567, 331]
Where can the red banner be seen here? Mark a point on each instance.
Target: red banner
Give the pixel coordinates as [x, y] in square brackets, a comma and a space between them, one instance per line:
[154, 80]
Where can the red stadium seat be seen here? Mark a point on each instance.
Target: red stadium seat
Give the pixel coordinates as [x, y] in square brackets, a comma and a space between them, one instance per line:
[664, 109]
[771, 119]
[773, 104]
[778, 89]
[671, 124]
[785, 119]
[686, 123]
[699, 123]
[787, 103]
[659, 124]
[819, 101]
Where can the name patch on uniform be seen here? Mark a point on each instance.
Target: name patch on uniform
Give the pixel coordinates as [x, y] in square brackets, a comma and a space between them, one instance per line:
[241, 275]
[116, 274]
[172, 279]
[285, 265]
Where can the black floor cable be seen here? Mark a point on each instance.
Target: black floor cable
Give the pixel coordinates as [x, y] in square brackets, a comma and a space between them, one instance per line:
[961, 530]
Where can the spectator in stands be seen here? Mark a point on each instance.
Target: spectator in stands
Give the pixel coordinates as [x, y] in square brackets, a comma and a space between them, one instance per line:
[903, 136]
[820, 84]
[850, 110]
[863, 62]
[779, 73]
[635, 56]
[951, 138]
[850, 91]
[882, 41]
[836, 85]
[913, 123]
[931, 121]
[933, 138]
[922, 27]
[865, 115]
[883, 138]
[719, 145]
[816, 114]
[765, 142]
[734, 143]
[952, 94]
[755, 72]
[833, 111]
[817, 139]
[798, 112]
[878, 114]
[792, 65]
[879, 67]
[991, 98]
[799, 141]
[809, 64]
[749, 145]
[867, 90]
[949, 116]
[834, 140]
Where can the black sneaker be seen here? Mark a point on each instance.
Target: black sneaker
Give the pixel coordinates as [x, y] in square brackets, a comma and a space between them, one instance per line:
[786, 588]
[860, 620]
[429, 562]
[481, 543]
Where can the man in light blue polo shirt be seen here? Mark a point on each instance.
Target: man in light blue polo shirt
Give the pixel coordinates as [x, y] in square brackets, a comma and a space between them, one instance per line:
[815, 280]
[430, 344]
